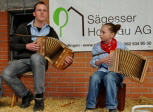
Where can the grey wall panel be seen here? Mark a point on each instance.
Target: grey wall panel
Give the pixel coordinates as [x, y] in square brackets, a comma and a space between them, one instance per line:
[16, 4]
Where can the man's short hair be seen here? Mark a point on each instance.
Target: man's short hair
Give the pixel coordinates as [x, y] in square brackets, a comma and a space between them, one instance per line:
[41, 2]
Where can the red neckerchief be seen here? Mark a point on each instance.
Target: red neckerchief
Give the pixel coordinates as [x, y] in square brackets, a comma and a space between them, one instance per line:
[109, 46]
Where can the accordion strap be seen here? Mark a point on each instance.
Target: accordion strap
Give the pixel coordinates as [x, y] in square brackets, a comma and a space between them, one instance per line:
[25, 35]
[49, 59]
[98, 54]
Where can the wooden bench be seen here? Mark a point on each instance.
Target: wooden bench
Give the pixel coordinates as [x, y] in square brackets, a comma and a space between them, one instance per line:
[14, 96]
[121, 93]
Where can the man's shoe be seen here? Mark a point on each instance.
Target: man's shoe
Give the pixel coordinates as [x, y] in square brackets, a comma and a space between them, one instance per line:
[112, 110]
[26, 100]
[39, 104]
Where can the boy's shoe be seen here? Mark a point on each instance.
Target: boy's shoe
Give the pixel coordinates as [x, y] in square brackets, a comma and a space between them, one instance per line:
[89, 110]
[112, 110]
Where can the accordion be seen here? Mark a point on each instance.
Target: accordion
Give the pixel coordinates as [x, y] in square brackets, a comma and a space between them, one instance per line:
[54, 51]
[130, 64]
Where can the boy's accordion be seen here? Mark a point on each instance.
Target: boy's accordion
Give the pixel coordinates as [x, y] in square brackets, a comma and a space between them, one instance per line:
[54, 51]
[129, 63]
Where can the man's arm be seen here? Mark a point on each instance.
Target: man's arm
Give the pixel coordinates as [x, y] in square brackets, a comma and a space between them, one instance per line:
[16, 43]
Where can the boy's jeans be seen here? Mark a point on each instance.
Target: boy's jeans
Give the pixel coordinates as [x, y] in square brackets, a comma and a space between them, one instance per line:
[111, 80]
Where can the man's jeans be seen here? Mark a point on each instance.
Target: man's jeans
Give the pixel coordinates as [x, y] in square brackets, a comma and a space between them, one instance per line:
[36, 64]
[111, 80]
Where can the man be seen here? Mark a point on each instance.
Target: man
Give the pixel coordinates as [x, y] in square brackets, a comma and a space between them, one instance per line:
[29, 60]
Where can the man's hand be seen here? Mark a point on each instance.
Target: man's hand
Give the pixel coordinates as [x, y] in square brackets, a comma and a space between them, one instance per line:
[33, 46]
[149, 69]
[68, 60]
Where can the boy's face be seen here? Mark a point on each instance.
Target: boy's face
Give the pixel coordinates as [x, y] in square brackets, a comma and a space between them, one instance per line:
[105, 34]
[41, 12]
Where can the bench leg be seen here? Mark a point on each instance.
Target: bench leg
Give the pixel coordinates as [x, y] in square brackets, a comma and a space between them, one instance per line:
[121, 98]
[14, 98]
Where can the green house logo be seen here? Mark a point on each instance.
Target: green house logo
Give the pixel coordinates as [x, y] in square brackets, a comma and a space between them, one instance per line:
[56, 18]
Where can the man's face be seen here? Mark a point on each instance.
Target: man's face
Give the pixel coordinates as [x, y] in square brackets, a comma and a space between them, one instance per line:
[41, 12]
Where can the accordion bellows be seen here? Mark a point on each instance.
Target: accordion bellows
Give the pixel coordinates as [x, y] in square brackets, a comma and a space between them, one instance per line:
[54, 51]
[130, 64]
